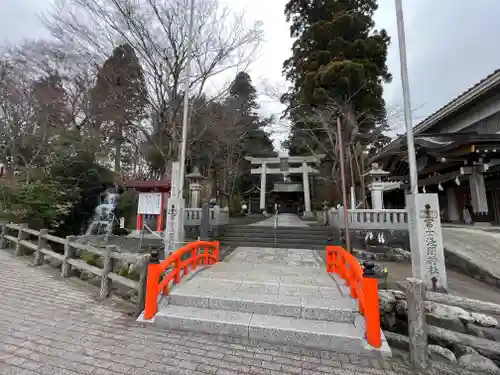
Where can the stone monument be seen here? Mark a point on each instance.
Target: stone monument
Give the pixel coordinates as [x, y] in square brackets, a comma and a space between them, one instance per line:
[426, 241]
[174, 231]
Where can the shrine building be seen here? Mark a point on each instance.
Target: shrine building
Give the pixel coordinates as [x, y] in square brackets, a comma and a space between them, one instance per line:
[458, 156]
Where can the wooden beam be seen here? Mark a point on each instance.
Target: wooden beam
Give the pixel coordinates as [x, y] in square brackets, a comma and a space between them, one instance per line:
[296, 170]
[290, 159]
[434, 180]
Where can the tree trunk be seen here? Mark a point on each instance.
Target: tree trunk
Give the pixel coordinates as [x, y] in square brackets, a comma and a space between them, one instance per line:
[118, 150]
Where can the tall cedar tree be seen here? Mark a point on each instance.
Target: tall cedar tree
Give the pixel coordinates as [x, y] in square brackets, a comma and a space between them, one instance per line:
[243, 96]
[118, 98]
[338, 62]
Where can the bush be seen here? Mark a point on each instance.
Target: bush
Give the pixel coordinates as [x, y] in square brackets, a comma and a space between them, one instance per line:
[90, 259]
[126, 207]
[39, 204]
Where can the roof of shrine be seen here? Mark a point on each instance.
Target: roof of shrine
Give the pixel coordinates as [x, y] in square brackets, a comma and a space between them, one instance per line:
[147, 184]
[466, 98]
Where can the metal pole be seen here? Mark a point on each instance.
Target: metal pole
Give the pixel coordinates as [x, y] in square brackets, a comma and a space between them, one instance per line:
[342, 178]
[412, 159]
[185, 114]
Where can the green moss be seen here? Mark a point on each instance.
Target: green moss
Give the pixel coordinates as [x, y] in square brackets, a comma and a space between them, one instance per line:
[90, 259]
[123, 272]
[134, 276]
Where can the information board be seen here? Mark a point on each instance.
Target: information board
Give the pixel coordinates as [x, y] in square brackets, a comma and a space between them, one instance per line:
[149, 203]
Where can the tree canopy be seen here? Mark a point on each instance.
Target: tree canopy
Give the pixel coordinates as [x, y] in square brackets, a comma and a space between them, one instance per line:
[337, 67]
[101, 102]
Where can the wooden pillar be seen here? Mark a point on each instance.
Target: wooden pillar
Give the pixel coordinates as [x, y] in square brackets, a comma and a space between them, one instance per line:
[106, 269]
[159, 223]
[138, 225]
[417, 333]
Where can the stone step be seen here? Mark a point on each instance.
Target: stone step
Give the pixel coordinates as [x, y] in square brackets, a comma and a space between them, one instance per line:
[256, 228]
[271, 234]
[298, 301]
[270, 243]
[290, 240]
[335, 336]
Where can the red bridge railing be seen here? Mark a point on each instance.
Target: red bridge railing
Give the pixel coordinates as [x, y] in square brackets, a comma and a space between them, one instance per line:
[363, 286]
[173, 267]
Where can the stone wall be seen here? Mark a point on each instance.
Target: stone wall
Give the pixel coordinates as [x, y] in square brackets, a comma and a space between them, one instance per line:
[470, 339]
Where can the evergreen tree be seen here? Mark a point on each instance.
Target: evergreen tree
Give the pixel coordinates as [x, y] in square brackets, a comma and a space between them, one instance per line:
[118, 99]
[338, 66]
[243, 103]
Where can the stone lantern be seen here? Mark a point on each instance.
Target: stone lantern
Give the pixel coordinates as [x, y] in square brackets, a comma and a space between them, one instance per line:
[194, 187]
[376, 185]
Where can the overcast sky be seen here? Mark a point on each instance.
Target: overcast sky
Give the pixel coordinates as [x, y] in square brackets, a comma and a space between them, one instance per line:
[451, 44]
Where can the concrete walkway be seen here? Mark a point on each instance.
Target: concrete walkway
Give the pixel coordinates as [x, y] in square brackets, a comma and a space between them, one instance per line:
[284, 220]
[479, 246]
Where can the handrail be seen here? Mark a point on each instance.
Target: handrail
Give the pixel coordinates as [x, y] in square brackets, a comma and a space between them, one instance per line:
[362, 285]
[174, 265]
[29, 241]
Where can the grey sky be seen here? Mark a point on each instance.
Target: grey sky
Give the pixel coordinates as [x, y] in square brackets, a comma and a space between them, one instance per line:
[451, 45]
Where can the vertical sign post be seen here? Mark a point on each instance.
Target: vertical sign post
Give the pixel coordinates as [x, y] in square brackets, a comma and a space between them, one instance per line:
[174, 234]
[426, 239]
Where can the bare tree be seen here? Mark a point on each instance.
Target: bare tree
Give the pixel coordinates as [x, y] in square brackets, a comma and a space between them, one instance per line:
[157, 30]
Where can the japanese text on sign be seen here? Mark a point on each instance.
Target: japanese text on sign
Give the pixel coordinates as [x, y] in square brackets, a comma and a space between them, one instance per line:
[431, 246]
[149, 204]
[172, 213]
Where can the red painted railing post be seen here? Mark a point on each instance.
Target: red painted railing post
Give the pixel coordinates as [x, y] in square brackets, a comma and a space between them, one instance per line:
[342, 270]
[329, 259]
[194, 258]
[150, 303]
[205, 256]
[177, 270]
[216, 251]
[372, 313]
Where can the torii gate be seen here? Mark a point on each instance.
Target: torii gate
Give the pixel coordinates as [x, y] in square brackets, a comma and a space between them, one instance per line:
[280, 165]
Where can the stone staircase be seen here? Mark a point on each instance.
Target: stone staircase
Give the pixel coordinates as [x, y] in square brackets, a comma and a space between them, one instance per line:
[312, 237]
[276, 295]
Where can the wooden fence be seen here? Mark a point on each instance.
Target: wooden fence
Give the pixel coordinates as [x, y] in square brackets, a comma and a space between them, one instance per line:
[419, 331]
[38, 242]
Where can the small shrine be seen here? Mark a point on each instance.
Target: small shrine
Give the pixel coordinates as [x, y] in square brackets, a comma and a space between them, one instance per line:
[151, 203]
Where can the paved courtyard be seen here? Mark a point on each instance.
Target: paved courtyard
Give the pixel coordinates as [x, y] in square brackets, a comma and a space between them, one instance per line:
[482, 247]
[56, 326]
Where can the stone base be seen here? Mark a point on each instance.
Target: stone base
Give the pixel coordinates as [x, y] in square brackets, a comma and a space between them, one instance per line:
[482, 224]
[308, 215]
[482, 217]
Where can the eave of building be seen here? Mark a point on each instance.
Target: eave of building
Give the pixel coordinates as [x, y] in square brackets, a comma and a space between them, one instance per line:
[490, 82]
[163, 185]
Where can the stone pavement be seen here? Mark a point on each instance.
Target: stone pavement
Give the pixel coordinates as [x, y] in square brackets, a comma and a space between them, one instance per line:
[56, 326]
[284, 220]
[480, 246]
